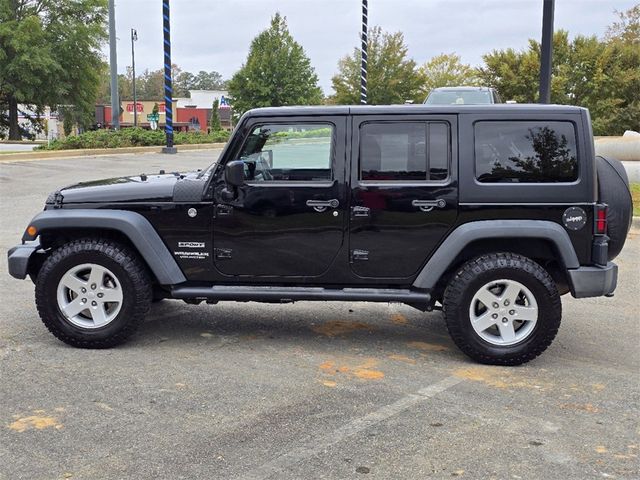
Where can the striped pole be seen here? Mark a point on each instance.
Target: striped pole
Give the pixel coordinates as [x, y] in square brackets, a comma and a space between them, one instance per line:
[168, 90]
[363, 66]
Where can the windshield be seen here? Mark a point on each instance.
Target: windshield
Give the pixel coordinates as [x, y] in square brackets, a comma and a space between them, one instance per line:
[459, 97]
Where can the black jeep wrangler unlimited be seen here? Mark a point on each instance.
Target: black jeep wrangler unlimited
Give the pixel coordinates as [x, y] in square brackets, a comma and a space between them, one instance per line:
[489, 213]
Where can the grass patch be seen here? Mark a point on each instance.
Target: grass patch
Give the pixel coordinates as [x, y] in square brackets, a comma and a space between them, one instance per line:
[635, 194]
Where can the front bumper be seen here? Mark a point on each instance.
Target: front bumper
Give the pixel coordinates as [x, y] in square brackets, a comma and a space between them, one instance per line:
[593, 281]
[19, 257]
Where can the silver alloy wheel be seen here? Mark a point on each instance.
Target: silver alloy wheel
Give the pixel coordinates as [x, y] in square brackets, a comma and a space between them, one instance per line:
[503, 312]
[89, 295]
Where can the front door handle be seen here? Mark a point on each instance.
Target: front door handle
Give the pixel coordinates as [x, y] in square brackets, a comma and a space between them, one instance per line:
[322, 205]
[428, 205]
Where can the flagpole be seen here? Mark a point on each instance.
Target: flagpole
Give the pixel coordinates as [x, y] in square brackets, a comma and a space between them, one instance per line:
[363, 65]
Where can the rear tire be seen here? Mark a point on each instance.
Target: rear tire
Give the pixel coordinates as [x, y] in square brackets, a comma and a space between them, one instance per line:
[93, 293]
[519, 317]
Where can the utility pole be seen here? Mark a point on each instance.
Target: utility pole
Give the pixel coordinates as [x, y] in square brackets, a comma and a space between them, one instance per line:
[363, 65]
[546, 51]
[168, 90]
[113, 65]
[134, 38]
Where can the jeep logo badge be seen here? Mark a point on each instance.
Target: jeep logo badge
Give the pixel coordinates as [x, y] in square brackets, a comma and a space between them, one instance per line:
[574, 218]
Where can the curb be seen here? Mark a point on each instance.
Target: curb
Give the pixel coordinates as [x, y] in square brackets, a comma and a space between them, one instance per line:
[57, 154]
[24, 142]
[635, 223]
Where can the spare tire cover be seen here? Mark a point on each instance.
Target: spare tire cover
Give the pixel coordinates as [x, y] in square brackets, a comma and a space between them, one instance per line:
[613, 189]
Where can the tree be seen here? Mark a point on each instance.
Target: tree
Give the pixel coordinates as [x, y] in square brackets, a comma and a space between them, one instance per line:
[68, 119]
[447, 70]
[185, 81]
[514, 74]
[214, 122]
[627, 29]
[150, 84]
[618, 77]
[50, 55]
[276, 72]
[391, 76]
[182, 82]
[207, 81]
[602, 75]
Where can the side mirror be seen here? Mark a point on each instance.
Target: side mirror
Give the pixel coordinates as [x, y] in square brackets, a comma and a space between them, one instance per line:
[234, 173]
[233, 177]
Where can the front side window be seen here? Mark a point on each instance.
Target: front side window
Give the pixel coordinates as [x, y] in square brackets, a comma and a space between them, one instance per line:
[525, 152]
[288, 152]
[404, 151]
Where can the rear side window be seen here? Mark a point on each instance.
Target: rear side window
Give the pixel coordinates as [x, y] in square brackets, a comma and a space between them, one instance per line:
[404, 151]
[525, 152]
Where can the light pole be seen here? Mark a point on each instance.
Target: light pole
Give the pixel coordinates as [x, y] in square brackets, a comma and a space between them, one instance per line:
[363, 65]
[113, 65]
[546, 51]
[134, 38]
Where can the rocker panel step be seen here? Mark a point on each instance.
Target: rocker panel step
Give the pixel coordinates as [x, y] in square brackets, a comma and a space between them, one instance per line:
[287, 294]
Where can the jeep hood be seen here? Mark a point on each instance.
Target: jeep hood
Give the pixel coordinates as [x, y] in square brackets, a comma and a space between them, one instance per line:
[140, 188]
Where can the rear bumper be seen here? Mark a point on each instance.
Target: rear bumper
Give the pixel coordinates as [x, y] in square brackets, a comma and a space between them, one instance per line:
[593, 281]
[18, 259]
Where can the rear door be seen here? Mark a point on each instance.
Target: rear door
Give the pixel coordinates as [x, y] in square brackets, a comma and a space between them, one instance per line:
[403, 191]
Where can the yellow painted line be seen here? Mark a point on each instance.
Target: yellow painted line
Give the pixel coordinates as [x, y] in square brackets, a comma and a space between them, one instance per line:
[60, 154]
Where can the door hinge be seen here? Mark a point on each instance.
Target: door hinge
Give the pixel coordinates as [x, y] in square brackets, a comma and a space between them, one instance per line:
[359, 255]
[222, 253]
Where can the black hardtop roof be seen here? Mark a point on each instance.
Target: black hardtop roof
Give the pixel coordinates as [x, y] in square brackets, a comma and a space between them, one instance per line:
[412, 109]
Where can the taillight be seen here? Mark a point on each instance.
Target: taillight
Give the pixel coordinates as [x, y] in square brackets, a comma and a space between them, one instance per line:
[601, 220]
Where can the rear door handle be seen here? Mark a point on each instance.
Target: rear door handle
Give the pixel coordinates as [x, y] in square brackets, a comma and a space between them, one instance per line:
[428, 205]
[360, 211]
[223, 210]
[322, 205]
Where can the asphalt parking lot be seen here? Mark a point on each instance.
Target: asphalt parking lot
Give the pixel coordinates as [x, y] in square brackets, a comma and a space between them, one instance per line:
[308, 390]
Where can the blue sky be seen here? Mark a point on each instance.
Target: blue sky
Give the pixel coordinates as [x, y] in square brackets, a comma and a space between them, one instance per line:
[215, 34]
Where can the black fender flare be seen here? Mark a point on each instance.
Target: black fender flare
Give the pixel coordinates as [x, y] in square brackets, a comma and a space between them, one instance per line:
[463, 235]
[131, 224]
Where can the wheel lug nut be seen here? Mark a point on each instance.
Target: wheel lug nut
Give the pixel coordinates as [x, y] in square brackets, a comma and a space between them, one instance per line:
[512, 312]
[94, 303]
[100, 295]
[93, 286]
[495, 305]
[506, 303]
[83, 290]
[84, 300]
[494, 316]
[505, 319]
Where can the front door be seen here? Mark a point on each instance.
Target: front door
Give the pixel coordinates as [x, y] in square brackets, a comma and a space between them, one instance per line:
[287, 220]
[404, 192]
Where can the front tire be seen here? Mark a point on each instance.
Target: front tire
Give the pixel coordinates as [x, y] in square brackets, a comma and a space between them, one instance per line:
[502, 309]
[93, 293]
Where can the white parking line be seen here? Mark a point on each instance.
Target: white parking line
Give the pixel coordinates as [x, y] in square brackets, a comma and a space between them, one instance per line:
[316, 445]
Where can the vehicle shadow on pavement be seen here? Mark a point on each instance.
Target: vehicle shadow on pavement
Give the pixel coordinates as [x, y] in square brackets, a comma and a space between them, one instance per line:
[175, 323]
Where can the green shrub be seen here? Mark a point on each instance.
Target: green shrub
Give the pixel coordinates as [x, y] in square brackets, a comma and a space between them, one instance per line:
[132, 137]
